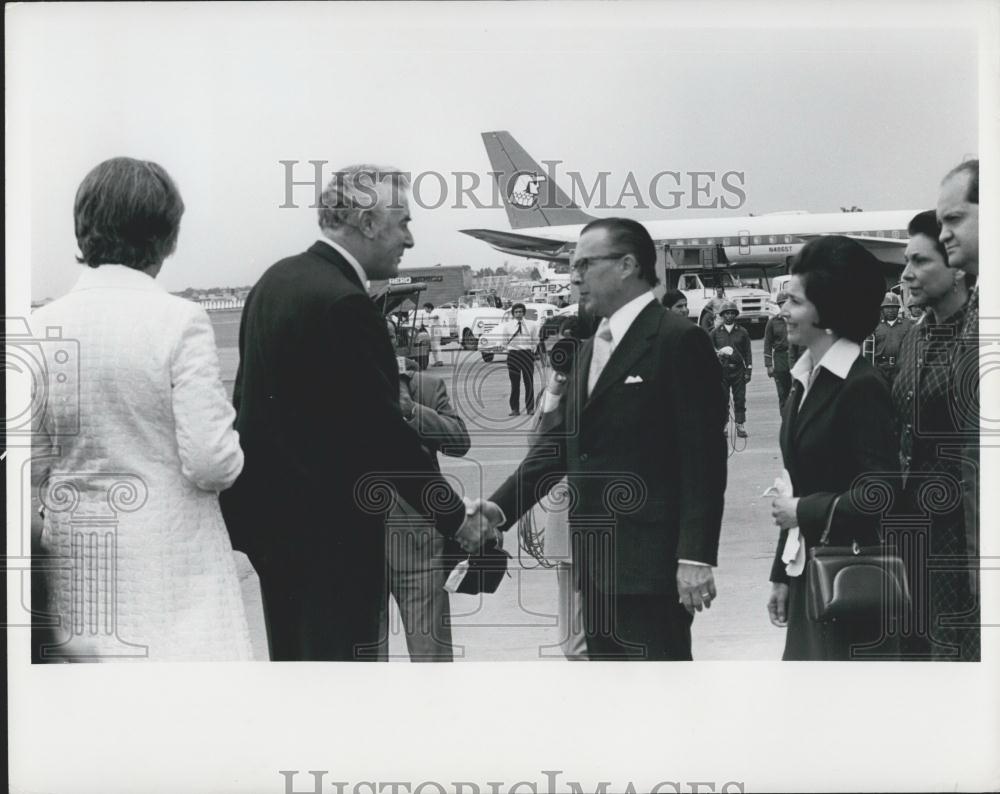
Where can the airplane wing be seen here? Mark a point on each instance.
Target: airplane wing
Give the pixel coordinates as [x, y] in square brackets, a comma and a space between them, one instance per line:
[888, 249]
[523, 244]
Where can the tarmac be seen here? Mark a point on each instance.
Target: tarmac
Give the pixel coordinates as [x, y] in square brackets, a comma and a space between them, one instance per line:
[519, 622]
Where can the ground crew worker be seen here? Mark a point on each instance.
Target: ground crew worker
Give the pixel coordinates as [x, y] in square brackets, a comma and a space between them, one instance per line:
[889, 335]
[732, 346]
[777, 359]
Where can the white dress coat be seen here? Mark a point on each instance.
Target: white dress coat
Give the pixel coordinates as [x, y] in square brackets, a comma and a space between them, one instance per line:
[133, 441]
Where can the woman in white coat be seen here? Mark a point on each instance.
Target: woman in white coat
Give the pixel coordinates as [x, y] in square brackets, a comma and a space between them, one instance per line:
[133, 442]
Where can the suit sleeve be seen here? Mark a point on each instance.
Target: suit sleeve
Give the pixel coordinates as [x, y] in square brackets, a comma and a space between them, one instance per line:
[769, 344]
[545, 463]
[700, 415]
[370, 400]
[867, 416]
[238, 384]
[437, 422]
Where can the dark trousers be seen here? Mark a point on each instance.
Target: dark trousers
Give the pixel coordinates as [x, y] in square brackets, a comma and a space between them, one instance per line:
[738, 385]
[635, 628]
[783, 383]
[521, 364]
[321, 615]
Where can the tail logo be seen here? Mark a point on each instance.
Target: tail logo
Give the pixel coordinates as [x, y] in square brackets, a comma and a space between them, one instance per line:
[524, 193]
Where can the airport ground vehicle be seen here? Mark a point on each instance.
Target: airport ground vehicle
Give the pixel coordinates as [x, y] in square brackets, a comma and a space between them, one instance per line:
[754, 302]
[468, 319]
[393, 301]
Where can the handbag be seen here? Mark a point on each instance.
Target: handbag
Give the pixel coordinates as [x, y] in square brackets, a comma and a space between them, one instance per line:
[855, 582]
[484, 571]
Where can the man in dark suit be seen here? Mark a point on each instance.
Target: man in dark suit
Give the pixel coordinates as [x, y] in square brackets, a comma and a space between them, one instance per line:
[638, 438]
[317, 401]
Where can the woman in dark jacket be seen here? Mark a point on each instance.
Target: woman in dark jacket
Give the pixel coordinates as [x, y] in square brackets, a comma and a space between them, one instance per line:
[945, 621]
[836, 438]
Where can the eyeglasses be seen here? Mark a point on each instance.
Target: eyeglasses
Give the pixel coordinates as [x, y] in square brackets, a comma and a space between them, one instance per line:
[580, 265]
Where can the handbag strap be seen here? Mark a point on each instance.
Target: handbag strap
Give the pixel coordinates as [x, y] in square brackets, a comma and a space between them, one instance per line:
[825, 539]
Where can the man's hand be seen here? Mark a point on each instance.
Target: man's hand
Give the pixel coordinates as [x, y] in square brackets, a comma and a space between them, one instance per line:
[695, 586]
[777, 605]
[783, 510]
[749, 372]
[770, 372]
[479, 528]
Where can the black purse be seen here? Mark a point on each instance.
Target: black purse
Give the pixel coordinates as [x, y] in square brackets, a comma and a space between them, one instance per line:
[853, 583]
[485, 570]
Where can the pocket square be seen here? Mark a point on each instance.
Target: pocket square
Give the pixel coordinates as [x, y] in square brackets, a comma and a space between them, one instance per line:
[633, 379]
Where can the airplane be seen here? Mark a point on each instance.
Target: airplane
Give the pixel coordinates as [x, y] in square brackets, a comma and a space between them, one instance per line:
[545, 223]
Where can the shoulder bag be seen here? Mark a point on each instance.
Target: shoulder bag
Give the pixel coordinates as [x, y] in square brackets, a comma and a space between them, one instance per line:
[853, 583]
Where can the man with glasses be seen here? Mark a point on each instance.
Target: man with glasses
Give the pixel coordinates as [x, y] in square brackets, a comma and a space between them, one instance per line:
[638, 438]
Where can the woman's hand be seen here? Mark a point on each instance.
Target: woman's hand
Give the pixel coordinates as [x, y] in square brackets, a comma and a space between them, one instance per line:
[777, 605]
[783, 510]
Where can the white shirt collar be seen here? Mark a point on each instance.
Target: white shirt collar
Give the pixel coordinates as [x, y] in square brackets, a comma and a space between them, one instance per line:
[622, 319]
[119, 276]
[351, 260]
[838, 360]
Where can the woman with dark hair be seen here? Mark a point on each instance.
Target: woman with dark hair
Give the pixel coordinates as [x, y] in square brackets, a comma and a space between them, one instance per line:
[927, 422]
[136, 435]
[836, 428]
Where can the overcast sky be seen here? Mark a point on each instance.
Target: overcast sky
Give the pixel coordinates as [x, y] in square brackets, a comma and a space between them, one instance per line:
[816, 118]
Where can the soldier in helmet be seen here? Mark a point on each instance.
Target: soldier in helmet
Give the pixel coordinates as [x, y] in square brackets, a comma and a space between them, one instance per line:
[889, 335]
[777, 359]
[732, 346]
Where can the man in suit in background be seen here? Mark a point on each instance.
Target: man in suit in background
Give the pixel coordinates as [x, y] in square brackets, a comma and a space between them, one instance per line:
[417, 572]
[317, 401]
[638, 438]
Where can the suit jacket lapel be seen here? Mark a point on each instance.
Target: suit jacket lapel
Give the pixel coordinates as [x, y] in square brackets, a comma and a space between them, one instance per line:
[788, 421]
[820, 393]
[629, 350]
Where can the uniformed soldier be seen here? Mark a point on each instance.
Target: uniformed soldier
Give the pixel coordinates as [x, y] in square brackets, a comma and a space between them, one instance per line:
[777, 358]
[889, 335]
[732, 346]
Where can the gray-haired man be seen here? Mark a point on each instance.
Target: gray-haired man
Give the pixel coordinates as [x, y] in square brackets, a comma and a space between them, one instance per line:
[318, 412]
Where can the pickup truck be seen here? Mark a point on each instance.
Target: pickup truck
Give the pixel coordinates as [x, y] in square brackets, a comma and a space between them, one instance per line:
[755, 304]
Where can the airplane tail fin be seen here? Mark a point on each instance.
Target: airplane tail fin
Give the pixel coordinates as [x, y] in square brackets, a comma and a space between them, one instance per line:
[530, 197]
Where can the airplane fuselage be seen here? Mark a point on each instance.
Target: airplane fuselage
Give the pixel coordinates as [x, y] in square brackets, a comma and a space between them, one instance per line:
[757, 239]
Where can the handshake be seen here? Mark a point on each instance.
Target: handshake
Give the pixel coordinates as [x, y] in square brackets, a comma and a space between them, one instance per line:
[479, 530]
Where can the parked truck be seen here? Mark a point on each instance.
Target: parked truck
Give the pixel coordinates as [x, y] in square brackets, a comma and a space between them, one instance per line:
[751, 297]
